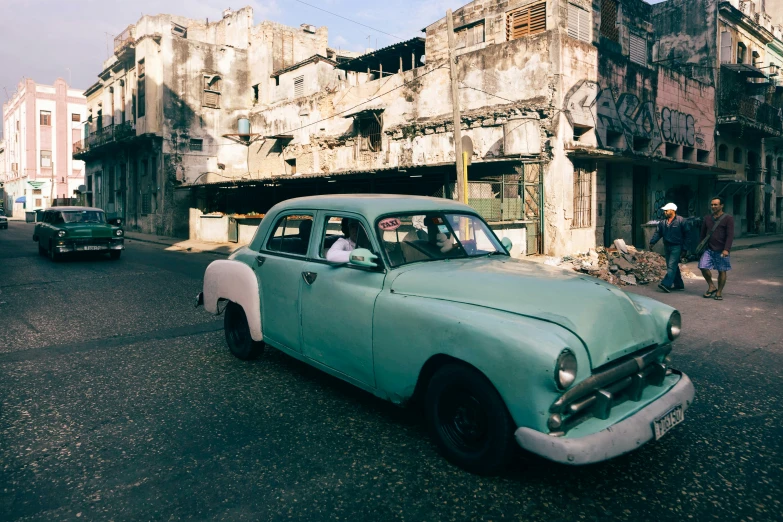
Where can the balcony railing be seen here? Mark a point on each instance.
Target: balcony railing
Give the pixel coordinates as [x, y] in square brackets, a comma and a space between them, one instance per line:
[753, 110]
[124, 39]
[103, 136]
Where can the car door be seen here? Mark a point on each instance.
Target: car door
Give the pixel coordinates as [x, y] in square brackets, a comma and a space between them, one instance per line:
[338, 303]
[44, 229]
[279, 266]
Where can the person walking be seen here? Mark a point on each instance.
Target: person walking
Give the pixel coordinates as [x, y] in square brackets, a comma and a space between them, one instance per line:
[674, 232]
[719, 227]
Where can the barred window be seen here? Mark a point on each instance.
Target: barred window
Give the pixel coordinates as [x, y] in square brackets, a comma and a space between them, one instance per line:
[196, 144]
[146, 203]
[609, 20]
[583, 198]
[526, 21]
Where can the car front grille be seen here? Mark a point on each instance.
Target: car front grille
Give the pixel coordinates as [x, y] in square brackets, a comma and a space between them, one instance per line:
[607, 387]
[83, 241]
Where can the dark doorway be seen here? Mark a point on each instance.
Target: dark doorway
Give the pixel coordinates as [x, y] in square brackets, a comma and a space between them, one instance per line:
[753, 174]
[641, 204]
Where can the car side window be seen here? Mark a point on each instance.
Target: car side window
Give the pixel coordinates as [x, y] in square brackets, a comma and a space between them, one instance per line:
[338, 227]
[57, 218]
[291, 235]
[47, 217]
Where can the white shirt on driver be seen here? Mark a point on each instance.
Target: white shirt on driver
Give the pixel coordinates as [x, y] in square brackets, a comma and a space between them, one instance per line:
[340, 252]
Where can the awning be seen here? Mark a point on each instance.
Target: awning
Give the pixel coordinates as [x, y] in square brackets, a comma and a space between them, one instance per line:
[737, 188]
[744, 69]
[36, 184]
[389, 59]
[21, 199]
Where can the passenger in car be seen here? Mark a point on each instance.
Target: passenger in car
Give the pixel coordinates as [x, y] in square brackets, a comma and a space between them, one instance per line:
[340, 252]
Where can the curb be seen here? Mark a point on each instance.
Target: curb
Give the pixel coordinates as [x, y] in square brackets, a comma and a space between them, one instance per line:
[190, 249]
[758, 245]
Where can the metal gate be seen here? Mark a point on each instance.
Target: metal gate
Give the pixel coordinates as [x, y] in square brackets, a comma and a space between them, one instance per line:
[516, 197]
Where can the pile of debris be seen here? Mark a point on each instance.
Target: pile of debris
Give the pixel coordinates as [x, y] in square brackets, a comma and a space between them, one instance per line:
[621, 265]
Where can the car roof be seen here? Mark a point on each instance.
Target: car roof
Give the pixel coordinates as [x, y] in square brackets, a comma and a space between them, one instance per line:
[75, 208]
[372, 205]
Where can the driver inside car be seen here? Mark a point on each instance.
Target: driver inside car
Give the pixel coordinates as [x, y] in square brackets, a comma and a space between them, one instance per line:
[340, 251]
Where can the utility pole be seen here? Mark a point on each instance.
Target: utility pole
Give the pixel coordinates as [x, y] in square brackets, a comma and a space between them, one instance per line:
[461, 185]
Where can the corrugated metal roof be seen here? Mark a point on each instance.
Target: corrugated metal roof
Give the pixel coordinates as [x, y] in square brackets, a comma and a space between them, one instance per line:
[414, 44]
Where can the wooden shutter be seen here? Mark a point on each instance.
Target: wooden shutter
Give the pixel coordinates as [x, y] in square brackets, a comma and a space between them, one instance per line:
[638, 48]
[725, 47]
[578, 23]
[298, 86]
[526, 21]
[211, 99]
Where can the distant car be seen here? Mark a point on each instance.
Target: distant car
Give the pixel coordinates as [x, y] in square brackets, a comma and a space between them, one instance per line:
[3, 220]
[429, 307]
[64, 230]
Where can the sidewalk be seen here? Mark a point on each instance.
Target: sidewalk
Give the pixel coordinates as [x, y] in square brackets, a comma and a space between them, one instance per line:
[183, 245]
[224, 249]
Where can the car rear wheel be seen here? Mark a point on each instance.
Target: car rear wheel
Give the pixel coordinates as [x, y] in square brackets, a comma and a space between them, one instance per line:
[238, 337]
[468, 420]
[115, 254]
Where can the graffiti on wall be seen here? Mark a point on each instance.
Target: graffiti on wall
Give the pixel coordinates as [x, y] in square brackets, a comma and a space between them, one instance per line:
[587, 105]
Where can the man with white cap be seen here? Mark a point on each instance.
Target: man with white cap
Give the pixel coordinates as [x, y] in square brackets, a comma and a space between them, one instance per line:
[673, 229]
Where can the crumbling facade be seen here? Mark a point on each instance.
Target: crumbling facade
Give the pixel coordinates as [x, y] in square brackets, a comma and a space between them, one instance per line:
[742, 64]
[164, 112]
[40, 125]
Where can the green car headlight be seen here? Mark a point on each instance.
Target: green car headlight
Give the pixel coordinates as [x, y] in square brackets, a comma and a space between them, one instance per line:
[118, 232]
[565, 369]
[674, 327]
[61, 233]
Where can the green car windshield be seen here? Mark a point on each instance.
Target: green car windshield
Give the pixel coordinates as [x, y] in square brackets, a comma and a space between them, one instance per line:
[431, 236]
[83, 216]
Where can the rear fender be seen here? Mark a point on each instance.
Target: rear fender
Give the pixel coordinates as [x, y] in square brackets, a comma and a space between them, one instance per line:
[236, 282]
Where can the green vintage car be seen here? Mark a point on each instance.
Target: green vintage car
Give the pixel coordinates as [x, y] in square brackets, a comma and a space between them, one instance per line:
[417, 301]
[65, 230]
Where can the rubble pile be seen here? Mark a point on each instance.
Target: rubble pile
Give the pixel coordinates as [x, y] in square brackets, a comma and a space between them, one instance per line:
[621, 265]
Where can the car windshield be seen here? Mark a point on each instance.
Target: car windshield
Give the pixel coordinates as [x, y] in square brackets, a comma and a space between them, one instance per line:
[83, 216]
[431, 236]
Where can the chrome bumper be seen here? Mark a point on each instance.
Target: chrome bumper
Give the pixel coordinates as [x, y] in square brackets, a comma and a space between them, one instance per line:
[616, 440]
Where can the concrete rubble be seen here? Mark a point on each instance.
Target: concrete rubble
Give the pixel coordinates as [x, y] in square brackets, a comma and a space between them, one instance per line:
[620, 265]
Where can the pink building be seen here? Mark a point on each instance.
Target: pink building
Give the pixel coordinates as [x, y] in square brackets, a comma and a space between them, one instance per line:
[40, 125]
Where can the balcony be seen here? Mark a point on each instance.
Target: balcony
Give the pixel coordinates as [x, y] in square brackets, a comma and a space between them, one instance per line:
[101, 137]
[752, 113]
[125, 41]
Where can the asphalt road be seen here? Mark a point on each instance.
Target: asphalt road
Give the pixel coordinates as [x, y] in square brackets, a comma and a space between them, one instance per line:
[121, 401]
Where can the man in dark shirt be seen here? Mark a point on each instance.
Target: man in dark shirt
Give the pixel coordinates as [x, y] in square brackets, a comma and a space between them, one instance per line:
[716, 257]
[674, 231]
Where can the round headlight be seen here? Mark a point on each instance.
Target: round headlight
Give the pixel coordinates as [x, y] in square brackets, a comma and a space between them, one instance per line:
[61, 233]
[565, 370]
[118, 232]
[674, 327]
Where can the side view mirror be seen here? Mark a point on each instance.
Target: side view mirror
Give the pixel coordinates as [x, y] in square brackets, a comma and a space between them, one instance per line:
[363, 257]
[507, 244]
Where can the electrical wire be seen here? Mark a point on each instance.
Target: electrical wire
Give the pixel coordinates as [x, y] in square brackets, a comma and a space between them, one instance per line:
[352, 21]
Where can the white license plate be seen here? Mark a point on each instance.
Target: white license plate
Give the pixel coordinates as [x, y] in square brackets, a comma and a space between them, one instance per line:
[92, 247]
[668, 420]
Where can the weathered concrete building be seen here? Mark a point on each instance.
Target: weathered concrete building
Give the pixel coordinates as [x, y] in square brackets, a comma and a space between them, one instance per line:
[735, 46]
[164, 112]
[577, 137]
[40, 125]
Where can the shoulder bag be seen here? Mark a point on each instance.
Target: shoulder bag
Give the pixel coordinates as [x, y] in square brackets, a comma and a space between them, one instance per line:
[702, 246]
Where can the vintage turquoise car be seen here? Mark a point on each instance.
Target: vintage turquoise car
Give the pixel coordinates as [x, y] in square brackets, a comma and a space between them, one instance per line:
[416, 300]
[64, 230]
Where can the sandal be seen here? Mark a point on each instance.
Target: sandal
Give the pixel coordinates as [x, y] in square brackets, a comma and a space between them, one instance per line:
[718, 298]
[709, 294]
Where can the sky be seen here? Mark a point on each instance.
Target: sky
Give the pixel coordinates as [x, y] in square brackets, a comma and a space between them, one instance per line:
[47, 39]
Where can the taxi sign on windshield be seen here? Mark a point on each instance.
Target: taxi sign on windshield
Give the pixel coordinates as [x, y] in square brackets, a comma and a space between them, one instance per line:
[389, 224]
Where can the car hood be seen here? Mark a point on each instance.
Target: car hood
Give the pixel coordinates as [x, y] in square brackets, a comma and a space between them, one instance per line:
[88, 229]
[606, 319]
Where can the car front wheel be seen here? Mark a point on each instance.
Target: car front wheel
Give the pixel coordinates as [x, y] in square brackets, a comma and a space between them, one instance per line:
[54, 255]
[238, 337]
[468, 420]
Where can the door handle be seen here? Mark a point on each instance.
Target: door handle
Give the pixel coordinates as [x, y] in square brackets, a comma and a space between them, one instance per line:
[309, 277]
[260, 260]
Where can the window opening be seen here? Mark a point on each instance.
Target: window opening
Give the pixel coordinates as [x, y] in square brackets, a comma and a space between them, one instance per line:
[46, 118]
[638, 49]
[469, 35]
[741, 52]
[583, 198]
[212, 89]
[291, 235]
[526, 21]
[75, 117]
[609, 20]
[298, 86]
[578, 23]
[723, 153]
[291, 165]
[738, 155]
[196, 144]
[178, 30]
[141, 88]
[46, 159]
[370, 132]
